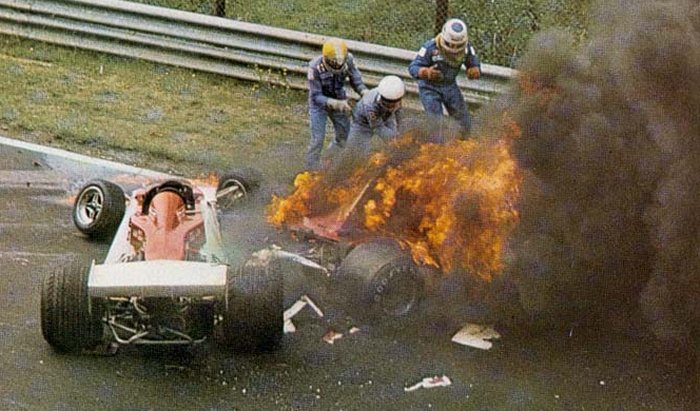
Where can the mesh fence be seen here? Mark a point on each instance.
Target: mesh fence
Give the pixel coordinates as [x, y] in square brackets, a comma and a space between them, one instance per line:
[499, 29]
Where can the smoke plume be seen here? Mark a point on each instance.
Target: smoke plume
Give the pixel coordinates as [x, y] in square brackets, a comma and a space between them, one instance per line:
[610, 151]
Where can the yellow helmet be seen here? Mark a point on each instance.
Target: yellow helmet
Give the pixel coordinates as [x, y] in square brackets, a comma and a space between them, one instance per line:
[335, 52]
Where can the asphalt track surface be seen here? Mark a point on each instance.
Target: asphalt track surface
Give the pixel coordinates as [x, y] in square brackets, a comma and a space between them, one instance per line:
[574, 370]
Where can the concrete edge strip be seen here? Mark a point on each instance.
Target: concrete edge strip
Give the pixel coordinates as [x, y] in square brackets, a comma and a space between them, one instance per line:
[113, 165]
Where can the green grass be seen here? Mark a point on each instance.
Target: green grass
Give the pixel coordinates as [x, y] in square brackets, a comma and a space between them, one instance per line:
[160, 116]
[190, 122]
[500, 30]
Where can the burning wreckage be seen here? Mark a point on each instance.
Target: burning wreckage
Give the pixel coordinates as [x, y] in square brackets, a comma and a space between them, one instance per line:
[412, 216]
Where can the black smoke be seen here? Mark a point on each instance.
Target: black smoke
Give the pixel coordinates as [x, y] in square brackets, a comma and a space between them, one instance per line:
[610, 151]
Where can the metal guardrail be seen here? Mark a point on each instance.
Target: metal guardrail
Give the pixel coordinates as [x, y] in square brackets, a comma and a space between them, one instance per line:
[212, 44]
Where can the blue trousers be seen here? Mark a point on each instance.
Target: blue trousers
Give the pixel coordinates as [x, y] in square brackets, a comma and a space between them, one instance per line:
[433, 99]
[361, 137]
[318, 117]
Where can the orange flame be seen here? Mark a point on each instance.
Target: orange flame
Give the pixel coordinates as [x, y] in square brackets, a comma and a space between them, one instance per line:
[452, 204]
[294, 207]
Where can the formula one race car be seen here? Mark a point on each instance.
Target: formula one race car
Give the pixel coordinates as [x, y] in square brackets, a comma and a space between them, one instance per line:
[167, 278]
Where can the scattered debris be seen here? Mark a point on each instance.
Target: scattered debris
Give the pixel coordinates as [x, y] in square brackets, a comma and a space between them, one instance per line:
[430, 382]
[331, 336]
[294, 310]
[289, 327]
[274, 251]
[476, 335]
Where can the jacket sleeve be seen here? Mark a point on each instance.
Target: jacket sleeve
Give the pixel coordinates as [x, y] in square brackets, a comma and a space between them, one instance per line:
[388, 128]
[315, 90]
[471, 59]
[364, 114]
[422, 59]
[355, 77]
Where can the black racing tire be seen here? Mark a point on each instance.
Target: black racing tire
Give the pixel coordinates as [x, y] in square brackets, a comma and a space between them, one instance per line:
[245, 180]
[254, 315]
[201, 319]
[381, 282]
[98, 209]
[67, 323]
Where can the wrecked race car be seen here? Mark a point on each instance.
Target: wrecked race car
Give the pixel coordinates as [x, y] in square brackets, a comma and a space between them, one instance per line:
[416, 220]
[374, 278]
[168, 278]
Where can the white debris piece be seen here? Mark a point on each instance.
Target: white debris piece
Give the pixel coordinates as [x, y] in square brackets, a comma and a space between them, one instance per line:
[331, 336]
[476, 335]
[275, 251]
[289, 327]
[313, 306]
[294, 310]
[430, 382]
[301, 260]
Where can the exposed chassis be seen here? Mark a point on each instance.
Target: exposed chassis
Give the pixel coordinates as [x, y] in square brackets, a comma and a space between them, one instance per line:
[377, 279]
[167, 278]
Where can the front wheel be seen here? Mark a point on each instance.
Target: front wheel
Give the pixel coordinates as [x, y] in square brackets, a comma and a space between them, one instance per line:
[99, 209]
[236, 185]
[67, 321]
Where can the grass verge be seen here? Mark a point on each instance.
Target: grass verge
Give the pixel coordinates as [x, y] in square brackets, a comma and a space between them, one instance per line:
[147, 114]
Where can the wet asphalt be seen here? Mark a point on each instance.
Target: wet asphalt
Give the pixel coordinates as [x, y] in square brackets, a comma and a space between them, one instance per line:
[575, 369]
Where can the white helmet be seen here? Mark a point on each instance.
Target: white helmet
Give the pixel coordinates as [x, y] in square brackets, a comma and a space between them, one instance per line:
[391, 88]
[454, 36]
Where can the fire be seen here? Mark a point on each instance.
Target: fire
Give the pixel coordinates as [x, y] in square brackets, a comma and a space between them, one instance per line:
[452, 205]
[294, 207]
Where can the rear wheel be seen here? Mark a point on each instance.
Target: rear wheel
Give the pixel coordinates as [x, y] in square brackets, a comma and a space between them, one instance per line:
[99, 209]
[201, 321]
[67, 323]
[253, 319]
[236, 185]
[381, 281]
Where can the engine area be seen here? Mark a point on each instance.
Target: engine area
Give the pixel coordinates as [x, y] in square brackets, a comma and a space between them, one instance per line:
[158, 320]
[166, 224]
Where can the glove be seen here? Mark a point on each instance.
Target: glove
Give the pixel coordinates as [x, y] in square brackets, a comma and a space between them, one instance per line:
[473, 73]
[431, 73]
[339, 105]
[363, 92]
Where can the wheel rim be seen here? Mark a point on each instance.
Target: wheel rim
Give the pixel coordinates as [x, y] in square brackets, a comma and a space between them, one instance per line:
[396, 290]
[89, 206]
[230, 191]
